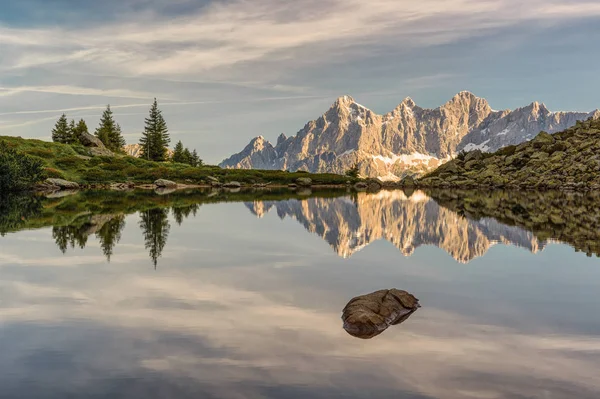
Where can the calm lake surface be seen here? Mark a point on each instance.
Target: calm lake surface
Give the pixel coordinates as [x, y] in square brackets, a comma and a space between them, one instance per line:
[225, 295]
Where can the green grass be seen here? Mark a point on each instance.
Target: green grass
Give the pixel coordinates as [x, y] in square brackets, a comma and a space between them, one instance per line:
[70, 163]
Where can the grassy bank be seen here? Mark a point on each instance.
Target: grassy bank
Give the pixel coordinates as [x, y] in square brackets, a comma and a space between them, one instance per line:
[73, 163]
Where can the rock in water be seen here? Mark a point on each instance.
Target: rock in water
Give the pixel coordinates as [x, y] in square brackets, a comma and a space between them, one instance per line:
[232, 184]
[367, 316]
[165, 183]
[63, 184]
[304, 181]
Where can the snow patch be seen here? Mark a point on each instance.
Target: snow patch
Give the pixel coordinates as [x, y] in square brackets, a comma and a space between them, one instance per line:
[414, 158]
[504, 132]
[389, 177]
[346, 153]
[482, 147]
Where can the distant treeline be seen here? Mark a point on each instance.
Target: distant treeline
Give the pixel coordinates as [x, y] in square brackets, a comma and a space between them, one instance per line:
[154, 141]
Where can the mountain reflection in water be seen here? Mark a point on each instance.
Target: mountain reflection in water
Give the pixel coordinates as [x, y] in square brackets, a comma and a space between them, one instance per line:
[464, 224]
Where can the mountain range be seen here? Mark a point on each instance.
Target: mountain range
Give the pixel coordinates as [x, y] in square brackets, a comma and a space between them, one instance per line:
[408, 140]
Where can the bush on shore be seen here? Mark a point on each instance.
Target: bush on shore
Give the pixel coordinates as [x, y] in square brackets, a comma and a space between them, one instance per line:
[18, 172]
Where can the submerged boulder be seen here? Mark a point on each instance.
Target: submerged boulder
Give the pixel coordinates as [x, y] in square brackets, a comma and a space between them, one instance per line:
[369, 315]
[232, 184]
[165, 183]
[62, 184]
[304, 181]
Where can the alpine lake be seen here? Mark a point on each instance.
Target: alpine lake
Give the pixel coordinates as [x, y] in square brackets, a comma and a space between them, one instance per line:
[225, 294]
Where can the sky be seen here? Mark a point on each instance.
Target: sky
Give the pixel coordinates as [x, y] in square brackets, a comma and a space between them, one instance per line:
[225, 71]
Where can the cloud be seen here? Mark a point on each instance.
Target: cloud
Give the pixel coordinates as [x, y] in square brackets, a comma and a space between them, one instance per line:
[224, 35]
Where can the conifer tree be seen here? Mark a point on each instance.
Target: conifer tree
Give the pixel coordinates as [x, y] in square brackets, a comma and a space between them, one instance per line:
[117, 140]
[72, 131]
[155, 139]
[61, 132]
[187, 156]
[80, 128]
[196, 161]
[109, 132]
[178, 153]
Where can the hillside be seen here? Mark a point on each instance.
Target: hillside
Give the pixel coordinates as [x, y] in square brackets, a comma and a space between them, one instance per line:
[566, 160]
[409, 140]
[76, 163]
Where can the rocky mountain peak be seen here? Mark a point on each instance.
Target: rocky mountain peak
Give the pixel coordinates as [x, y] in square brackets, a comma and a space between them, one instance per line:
[468, 100]
[408, 102]
[258, 143]
[282, 137]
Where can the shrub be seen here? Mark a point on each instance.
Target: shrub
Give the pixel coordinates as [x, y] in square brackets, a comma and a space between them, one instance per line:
[53, 173]
[40, 152]
[68, 162]
[17, 171]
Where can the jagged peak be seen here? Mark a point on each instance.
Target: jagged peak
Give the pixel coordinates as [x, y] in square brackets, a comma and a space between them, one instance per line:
[282, 137]
[537, 107]
[258, 142]
[408, 102]
[344, 100]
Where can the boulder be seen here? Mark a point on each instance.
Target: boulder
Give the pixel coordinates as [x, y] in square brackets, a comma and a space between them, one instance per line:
[304, 181]
[165, 183]
[232, 184]
[87, 140]
[212, 179]
[361, 185]
[374, 185]
[101, 152]
[369, 315]
[62, 184]
[473, 156]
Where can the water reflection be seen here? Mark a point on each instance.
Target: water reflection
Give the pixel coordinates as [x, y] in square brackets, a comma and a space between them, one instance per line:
[155, 227]
[465, 224]
[259, 316]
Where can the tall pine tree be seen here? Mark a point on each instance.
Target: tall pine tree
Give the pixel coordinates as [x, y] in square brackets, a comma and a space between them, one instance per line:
[61, 132]
[178, 153]
[155, 139]
[109, 132]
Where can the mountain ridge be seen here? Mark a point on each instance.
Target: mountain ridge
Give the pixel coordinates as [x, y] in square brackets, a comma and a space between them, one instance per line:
[407, 140]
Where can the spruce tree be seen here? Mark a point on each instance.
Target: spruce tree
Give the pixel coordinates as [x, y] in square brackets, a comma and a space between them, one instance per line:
[117, 140]
[155, 138]
[178, 153]
[187, 156]
[61, 132]
[196, 161]
[79, 130]
[72, 132]
[109, 132]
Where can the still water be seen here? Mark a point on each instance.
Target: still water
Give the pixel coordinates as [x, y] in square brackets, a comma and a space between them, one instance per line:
[223, 295]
